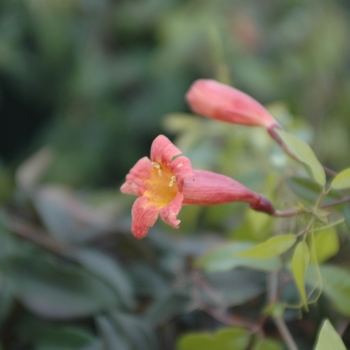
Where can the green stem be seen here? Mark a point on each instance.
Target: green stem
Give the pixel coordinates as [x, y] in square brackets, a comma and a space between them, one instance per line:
[285, 334]
[279, 321]
[292, 212]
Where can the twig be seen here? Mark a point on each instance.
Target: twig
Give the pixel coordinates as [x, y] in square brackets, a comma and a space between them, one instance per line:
[232, 320]
[292, 212]
[279, 321]
[28, 232]
[284, 331]
[274, 135]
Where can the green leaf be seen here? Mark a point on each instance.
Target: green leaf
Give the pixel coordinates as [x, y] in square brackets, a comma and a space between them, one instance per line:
[224, 258]
[300, 262]
[251, 284]
[108, 270]
[326, 244]
[268, 344]
[310, 190]
[135, 329]
[328, 338]
[273, 247]
[342, 180]
[336, 285]
[224, 339]
[303, 152]
[6, 298]
[54, 289]
[347, 215]
[112, 340]
[64, 338]
[173, 303]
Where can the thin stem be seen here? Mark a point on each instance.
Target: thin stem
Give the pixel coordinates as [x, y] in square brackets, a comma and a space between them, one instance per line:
[329, 171]
[284, 331]
[231, 320]
[292, 212]
[279, 321]
[272, 132]
[339, 201]
[272, 291]
[40, 238]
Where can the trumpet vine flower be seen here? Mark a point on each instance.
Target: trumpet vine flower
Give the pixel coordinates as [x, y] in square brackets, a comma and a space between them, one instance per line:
[215, 100]
[166, 182]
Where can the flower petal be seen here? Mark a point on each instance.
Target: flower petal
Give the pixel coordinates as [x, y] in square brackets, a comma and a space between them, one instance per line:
[144, 216]
[170, 212]
[163, 150]
[135, 180]
[182, 168]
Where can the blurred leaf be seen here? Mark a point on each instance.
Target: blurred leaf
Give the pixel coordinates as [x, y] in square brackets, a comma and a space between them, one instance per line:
[305, 155]
[179, 122]
[108, 270]
[221, 287]
[174, 303]
[224, 258]
[300, 262]
[137, 331]
[326, 245]
[336, 285]
[347, 215]
[96, 345]
[110, 337]
[65, 216]
[6, 298]
[309, 190]
[7, 185]
[64, 337]
[342, 180]
[328, 338]
[223, 339]
[30, 172]
[147, 282]
[273, 247]
[53, 289]
[256, 227]
[10, 246]
[268, 344]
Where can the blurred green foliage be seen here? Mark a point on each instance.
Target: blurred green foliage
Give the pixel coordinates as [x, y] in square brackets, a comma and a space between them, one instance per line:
[90, 84]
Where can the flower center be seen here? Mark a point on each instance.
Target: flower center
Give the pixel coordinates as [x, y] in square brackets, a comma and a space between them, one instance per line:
[161, 186]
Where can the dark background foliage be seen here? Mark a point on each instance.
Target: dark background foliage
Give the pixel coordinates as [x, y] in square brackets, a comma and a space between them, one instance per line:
[88, 83]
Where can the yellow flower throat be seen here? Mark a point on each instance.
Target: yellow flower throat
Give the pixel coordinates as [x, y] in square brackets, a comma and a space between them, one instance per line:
[161, 186]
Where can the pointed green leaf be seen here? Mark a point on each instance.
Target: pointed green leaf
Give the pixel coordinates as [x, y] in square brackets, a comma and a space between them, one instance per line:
[326, 244]
[342, 180]
[310, 190]
[273, 247]
[224, 339]
[336, 285]
[268, 344]
[300, 262]
[224, 258]
[328, 338]
[303, 152]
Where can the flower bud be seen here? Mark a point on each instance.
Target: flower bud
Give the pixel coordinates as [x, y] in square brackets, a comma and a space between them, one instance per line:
[212, 99]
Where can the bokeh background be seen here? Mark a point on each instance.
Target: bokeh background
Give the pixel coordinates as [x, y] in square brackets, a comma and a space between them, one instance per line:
[85, 86]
